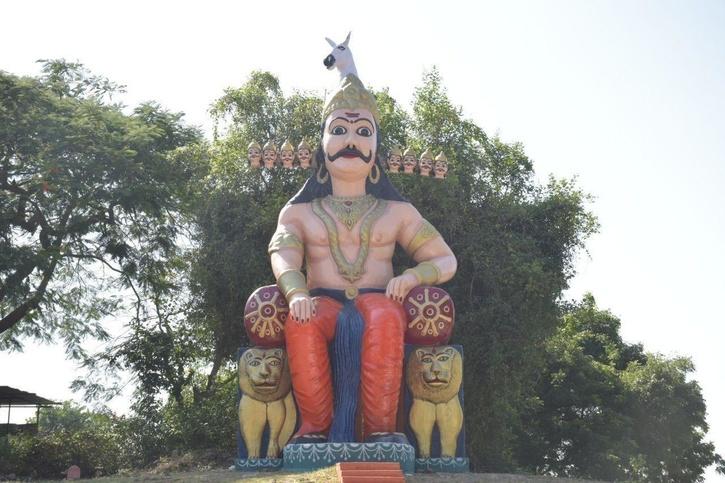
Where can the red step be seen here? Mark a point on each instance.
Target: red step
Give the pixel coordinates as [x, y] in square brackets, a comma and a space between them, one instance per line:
[368, 472]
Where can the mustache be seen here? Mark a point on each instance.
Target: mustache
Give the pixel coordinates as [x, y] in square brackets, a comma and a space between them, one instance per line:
[350, 152]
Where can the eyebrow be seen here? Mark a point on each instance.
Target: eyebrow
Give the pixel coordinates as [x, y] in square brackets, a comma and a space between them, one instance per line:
[352, 121]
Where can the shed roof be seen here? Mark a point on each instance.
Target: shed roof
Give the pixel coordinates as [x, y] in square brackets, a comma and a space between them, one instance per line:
[16, 397]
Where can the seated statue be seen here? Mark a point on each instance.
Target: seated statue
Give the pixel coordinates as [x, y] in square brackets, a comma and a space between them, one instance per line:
[342, 227]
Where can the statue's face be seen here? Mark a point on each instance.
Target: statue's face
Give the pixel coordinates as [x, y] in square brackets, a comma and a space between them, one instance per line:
[269, 156]
[440, 170]
[409, 163]
[349, 144]
[287, 158]
[304, 156]
[394, 163]
[426, 164]
[254, 157]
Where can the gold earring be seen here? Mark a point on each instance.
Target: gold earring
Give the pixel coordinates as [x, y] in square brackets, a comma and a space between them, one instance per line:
[321, 179]
[376, 178]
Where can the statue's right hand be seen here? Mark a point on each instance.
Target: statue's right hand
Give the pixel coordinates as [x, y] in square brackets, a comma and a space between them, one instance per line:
[302, 308]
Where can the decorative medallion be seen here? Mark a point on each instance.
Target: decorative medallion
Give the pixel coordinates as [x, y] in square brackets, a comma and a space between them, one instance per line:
[431, 315]
[264, 316]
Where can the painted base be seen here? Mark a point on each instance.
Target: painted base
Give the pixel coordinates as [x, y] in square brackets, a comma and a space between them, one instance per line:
[258, 464]
[308, 457]
[441, 465]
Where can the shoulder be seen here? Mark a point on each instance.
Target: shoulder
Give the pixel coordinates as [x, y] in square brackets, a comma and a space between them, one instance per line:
[294, 212]
[404, 211]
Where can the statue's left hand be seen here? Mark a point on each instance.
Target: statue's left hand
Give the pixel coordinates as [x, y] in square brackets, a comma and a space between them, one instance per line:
[399, 287]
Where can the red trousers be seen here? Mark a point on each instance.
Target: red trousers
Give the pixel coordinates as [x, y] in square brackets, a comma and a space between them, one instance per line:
[381, 370]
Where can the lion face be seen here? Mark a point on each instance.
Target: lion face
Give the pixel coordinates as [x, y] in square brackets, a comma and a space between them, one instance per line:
[435, 365]
[434, 373]
[263, 373]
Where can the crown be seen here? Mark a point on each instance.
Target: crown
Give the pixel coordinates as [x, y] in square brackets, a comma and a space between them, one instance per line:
[303, 145]
[270, 146]
[427, 154]
[396, 151]
[254, 145]
[287, 146]
[409, 152]
[351, 95]
[441, 157]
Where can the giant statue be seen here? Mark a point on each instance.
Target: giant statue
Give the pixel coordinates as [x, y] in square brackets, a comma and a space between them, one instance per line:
[345, 325]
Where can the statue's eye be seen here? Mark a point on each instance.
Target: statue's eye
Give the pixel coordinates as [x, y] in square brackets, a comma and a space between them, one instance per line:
[338, 130]
[442, 358]
[274, 362]
[427, 360]
[364, 131]
[254, 363]
[341, 47]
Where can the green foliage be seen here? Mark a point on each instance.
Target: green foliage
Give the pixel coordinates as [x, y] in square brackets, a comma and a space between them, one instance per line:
[69, 435]
[607, 410]
[89, 201]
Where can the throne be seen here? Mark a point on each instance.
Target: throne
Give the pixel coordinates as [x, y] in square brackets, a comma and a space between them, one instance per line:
[430, 413]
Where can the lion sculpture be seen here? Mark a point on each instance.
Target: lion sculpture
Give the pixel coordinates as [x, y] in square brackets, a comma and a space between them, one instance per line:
[264, 379]
[434, 375]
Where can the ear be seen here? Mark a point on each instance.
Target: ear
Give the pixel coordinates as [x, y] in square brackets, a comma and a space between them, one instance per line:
[450, 351]
[419, 353]
[248, 355]
[347, 39]
[331, 42]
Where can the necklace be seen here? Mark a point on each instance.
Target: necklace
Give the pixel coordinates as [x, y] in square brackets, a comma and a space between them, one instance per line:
[355, 270]
[349, 209]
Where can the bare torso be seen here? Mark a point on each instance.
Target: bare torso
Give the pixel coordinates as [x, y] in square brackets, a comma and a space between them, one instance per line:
[378, 268]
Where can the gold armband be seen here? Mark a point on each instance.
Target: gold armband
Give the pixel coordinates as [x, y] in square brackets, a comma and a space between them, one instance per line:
[427, 273]
[425, 233]
[284, 239]
[292, 282]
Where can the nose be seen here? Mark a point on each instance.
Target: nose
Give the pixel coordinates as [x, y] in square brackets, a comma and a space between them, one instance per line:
[329, 61]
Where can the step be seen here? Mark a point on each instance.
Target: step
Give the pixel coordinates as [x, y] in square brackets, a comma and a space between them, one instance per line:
[368, 472]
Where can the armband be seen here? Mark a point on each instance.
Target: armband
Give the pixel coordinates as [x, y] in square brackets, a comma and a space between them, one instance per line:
[425, 233]
[291, 282]
[284, 239]
[427, 273]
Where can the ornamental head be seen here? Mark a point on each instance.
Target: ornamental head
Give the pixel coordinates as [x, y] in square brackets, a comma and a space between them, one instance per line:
[287, 154]
[395, 160]
[269, 154]
[254, 154]
[425, 164]
[440, 169]
[304, 154]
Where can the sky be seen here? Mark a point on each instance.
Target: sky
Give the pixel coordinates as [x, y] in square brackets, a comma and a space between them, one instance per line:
[626, 96]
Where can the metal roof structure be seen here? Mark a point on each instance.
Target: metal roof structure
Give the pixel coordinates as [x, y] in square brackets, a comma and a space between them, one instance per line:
[9, 396]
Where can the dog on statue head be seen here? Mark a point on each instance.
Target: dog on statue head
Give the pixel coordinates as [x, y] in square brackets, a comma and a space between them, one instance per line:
[434, 376]
[265, 382]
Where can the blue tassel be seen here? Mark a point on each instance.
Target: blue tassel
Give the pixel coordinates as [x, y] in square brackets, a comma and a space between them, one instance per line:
[346, 362]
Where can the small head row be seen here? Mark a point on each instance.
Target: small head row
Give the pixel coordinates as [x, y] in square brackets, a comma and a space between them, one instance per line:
[269, 156]
[406, 162]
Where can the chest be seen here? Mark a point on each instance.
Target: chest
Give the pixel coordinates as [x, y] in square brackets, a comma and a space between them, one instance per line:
[382, 232]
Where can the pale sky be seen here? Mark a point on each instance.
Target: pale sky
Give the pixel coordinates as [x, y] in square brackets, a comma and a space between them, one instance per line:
[626, 95]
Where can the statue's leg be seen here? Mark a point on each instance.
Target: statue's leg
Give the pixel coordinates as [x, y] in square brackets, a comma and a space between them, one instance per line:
[310, 366]
[382, 361]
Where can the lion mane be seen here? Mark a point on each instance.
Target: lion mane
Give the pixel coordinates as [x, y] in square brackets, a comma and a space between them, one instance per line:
[421, 389]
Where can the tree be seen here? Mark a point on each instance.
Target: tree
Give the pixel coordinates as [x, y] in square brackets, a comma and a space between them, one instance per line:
[607, 410]
[89, 201]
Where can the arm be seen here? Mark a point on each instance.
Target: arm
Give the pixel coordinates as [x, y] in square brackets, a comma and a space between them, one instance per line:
[286, 251]
[436, 261]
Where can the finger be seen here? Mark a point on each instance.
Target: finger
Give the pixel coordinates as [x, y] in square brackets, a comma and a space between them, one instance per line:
[396, 289]
[314, 307]
[307, 310]
[389, 289]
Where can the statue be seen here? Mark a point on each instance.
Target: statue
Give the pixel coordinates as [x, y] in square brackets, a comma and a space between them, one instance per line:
[254, 151]
[440, 169]
[287, 155]
[343, 226]
[269, 155]
[434, 376]
[394, 160]
[304, 154]
[264, 381]
[409, 161]
[425, 164]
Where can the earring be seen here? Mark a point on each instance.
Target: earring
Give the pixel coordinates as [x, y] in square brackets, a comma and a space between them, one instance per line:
[376, 178]
[322, 179]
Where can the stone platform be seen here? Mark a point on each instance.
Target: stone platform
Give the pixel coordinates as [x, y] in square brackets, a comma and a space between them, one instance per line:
[308, 457]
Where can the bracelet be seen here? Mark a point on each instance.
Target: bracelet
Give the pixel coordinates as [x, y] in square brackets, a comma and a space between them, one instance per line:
[427, 273]
[292, 282]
